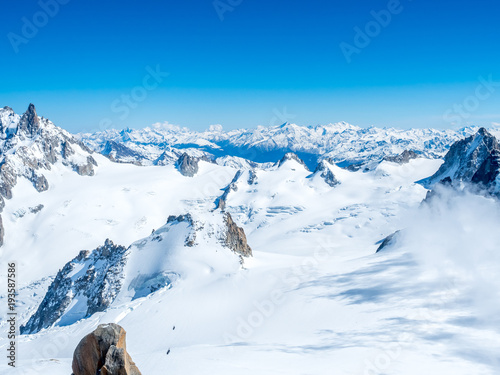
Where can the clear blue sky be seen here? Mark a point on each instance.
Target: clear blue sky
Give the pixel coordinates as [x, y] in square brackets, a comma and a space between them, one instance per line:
[255, 62]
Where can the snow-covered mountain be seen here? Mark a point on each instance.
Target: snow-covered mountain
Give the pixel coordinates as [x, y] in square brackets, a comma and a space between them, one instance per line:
[93, 281]
[341, 142]
[31, 145]
[217, 263]
[475, 159]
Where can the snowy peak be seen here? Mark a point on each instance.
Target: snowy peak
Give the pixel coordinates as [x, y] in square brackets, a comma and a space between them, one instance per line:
[473, 159]
[293, 158]
[30, 145]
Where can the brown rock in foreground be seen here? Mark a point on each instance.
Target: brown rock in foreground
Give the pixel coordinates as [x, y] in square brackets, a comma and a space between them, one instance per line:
[104, 351]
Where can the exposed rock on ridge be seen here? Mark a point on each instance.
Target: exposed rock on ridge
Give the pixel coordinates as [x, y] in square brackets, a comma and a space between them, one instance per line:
[474, 159]
[188, 165]
[326, 173]
[92, 276]
[236, 239]
[402, 158]
[220, 203]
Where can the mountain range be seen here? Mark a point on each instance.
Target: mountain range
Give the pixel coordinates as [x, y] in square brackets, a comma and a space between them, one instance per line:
[283, 249]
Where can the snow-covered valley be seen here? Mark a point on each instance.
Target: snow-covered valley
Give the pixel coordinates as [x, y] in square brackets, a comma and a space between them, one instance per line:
[226, 265]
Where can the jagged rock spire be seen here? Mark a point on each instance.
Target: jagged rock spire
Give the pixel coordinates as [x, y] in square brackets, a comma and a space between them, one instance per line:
[29, 122]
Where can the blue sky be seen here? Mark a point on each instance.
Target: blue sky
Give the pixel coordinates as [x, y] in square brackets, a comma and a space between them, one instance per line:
[241, 63]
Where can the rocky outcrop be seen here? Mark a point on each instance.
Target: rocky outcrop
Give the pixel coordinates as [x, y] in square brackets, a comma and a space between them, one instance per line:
[104, 352]
[235, 237]
[29, 123]
[402, 158]
[252, 177]
[471, 160]
[36, 209]
[39, 182]
[488, 172]
[220, 203]
[95, 277]
[389, 241]
[86, 169]
[324, 171]
[8, 179]
[188, 165]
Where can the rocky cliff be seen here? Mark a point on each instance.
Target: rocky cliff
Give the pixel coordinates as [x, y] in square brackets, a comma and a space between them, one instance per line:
[474, 159]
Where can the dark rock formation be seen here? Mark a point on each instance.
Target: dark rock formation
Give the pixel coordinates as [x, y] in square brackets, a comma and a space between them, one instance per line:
[36, 209]
[67, 150]
[488, 172]
[389, 241]
[252, 177]
[98, 280]
[8, 180]
[188, 165]
[39, 182]
[104, 352]
[402, 158]
[86, 169]
[235, 237]
[325, 172]
[29, 123]
[292, 156]
[471, 160]
[180, 218]
[220, 203]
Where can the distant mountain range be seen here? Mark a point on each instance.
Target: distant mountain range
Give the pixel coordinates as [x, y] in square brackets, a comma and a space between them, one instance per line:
[342, 143]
